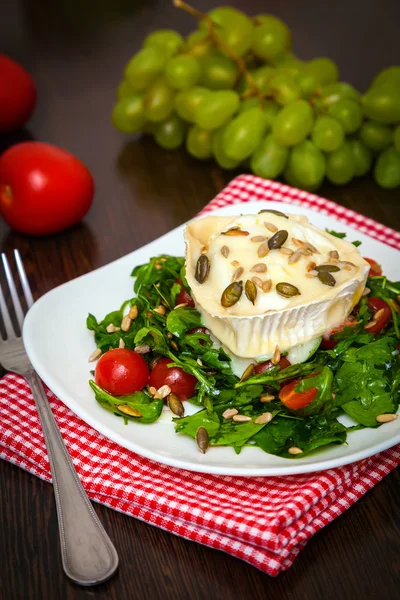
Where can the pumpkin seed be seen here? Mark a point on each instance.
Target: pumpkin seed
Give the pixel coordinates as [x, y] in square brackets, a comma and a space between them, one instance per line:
[235, 231]
[248, 372]
[202, 439]
[258, 268]
[258, 282]
[175, 405]
[263, 250]
[273, 212]
[328, 268]
[129, 410]
[237, 273]
[287, 290]
[250, 291]
[264, 418]
[258, 238]
[225, 251]
[326, 278]
[232, 294]
[267, 285]
[278, 239]
[271, 227]
[202, 269]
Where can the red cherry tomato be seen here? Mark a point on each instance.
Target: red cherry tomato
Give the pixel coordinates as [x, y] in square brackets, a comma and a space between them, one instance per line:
[375, 268]
[377, 305]
[264, 366]
[17, 94]
[121, 371]
[43, 189]
[327, 342]
[295, 400]
[181, 383]
[184, 298]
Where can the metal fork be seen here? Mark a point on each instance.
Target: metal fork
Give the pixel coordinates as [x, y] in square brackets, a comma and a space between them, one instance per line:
[88, 555]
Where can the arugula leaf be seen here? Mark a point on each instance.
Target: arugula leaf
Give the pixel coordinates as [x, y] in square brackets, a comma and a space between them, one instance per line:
[341, 236]
[150, 409]
[276, 375]
[323, 382]
[182, 319]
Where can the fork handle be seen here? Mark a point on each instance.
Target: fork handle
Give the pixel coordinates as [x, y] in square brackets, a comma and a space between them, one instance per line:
[88, 555]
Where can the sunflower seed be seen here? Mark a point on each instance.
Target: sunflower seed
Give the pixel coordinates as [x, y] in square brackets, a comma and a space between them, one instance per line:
[143, 349]
[277, 356]
[95, 354]
[379, 313]
[287, 290]
[162, 392]
[248, 372]
[386, 418]
[258, 238]
[286, 251]
[181, 305]
[258, 268]
[299, 243]
[394, 305]
[250, 291]
[264, 418]
[312, 248]
[278, 239]
[257, 281]
[202, 269]
[347, 268]
[199, 362]
[273, 212]
[175, 405]
[366, 292]
[225, 251]
[305, 251]
[326, 278]
[241, 418]
[235, 231]
[328, 268]
[263, 250]
[294, 257]
[237, 273]
[160, 310]
[126, 323]
[229, 413]
[204, 250]
[267, 285]
[347, 263]
[152, 390]
[133, 312]
[370, 324]
[111, 328]
[267, 398]
[232, 294]
[295, 450]
[312, 274]
[202, 439]
[334, 254]
[121, 343]
[158, 266]
[311, 266]
[129, 410]
[174, 345]
[235, 263]
[271, 227]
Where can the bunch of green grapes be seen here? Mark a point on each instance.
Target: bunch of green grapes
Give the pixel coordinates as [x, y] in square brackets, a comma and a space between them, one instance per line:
[234, 92]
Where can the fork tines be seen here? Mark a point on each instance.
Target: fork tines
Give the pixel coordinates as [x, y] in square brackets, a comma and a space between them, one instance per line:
[19, 313]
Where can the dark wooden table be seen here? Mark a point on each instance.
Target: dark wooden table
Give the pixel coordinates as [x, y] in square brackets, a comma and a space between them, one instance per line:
[76, 51]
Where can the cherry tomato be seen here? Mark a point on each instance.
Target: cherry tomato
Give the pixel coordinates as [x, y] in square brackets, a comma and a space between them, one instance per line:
[327, 342]
[375, 268]
[379, 305]
[295, 400]
[264, 366]
[17, 94]
[43, 189]
[181, 383]
[184, 298]
[121, 371]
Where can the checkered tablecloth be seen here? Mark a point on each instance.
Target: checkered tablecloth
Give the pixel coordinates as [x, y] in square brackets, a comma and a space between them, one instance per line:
[265, 521]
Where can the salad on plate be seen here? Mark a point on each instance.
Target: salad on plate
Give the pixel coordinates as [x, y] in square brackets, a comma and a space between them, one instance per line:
[279, 333]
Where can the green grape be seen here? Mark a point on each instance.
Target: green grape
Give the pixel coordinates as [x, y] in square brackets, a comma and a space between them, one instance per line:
[166, 40]
[334, 92]
[235, 28]
[307, 165]
[289, 176]
[340, 167]
[262, 77]
[243, 134]
[382, 103]
[396, 138]
[375, 135]
[271, 38]
[327, 134]
[187, 101]
[248, 103]
[128, 114]
[289, 63]
[217, 109]
[199, 45]
[169, 134]
[362, 157]
[218, 151]
[125, 90]
[144, 68]
[348, 113]
[182, 71]
[284, 89]
[308, 83]
[269, 158]
[218, 72]
[158, 101]
[293, 124]
[388, 75]
[323, 69]
[270, 110]
[198, 142]
[387, 169]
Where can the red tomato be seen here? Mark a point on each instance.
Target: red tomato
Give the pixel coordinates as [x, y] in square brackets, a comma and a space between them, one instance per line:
[295, 400]
[264, 366]
[184, 298]
[43, 189]
[17, 94]
[327, 342]
[199, 330]
[181, 383]
[379, 305]
[121, 371]
[375, 268]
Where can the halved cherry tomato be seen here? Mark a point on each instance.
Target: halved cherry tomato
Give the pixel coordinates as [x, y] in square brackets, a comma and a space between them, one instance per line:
[184, 298]
[375, 268]
[377, 305]
[181, 383]
[296, 400]
[200, 330]
[121, 371]
[327, 342]
[267, 364]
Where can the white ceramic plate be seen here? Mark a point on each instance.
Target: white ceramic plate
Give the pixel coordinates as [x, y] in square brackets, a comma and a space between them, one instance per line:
[59, 344]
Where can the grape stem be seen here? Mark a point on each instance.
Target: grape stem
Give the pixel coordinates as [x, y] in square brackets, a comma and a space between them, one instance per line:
[194, 12]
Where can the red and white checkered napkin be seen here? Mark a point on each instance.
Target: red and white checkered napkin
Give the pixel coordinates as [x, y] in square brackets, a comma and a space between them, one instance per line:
[262, 520]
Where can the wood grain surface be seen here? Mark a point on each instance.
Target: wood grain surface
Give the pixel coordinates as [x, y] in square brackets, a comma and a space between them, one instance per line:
[76, 51]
